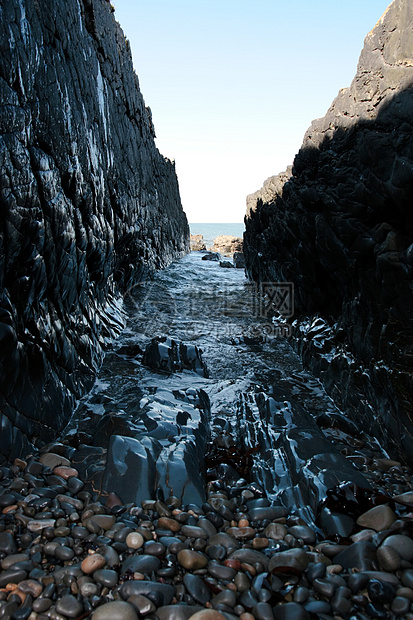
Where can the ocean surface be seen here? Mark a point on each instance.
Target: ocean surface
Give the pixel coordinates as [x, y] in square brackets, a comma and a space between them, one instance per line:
[211, 231]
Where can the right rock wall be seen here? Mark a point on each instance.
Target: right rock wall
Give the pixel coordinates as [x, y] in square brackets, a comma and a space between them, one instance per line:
[339, 224]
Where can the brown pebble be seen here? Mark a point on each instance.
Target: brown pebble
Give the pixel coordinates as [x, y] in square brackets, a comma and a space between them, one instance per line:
[248, 568]
[260, 543]
[169, 524]
[92, 563]
[20, 463]
[236, 564]
[192, 560]
[243, 523]
[241, 533]
[8, 509]
[246, 616]
[207, 614]
[65, 472]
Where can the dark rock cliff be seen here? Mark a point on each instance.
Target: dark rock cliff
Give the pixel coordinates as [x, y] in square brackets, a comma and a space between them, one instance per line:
[88, 205]
[339, 224]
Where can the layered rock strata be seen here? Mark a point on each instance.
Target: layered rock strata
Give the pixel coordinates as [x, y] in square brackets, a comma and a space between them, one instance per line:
[88, 206]
[338, 224]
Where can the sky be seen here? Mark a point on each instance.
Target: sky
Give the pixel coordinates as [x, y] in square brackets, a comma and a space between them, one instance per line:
[233, 85]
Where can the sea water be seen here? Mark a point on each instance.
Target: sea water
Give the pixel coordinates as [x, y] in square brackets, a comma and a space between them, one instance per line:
[212, 231]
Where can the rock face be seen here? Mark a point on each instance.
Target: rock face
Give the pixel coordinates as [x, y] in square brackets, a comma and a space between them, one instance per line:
[88, 205]
[339, 225]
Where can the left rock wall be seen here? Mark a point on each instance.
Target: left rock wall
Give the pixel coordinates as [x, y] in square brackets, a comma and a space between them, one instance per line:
[88, 206]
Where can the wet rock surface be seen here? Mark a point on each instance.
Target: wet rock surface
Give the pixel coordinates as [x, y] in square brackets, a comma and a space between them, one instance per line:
[338, 225]
[88, 206]
[115, 521]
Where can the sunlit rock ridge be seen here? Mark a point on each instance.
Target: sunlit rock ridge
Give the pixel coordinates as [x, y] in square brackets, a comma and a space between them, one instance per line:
[339, 225]
[88, 205]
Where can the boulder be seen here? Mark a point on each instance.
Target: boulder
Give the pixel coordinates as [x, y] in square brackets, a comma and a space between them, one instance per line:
[168, 355]
[227, 245]
[197, 243]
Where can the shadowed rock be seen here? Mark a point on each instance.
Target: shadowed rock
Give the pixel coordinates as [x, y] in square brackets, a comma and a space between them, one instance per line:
[339, 225]
[88, 206]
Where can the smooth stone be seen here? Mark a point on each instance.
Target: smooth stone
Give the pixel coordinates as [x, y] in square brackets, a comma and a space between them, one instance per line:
[141, 564]
[400, 605]
[7, 543]
[134, 540]
[220, 571]
[52, 460]
[242, 533]
[316, 571]
[177, 612]
[359, 555]
[304, 532]
[192, 560]
[291, 611]
[64, 553]
[263, 611]
[267, 512]
[69, 606]
[378, 518]
[154, 548]
[216, 552]
[250, 556]
[169, 524]
[207, 614]
[206, 525]
[193, 531]
[226, 597]
[164, 590]
[275, 531]
[104, 522]
[13, 559]
[12, 576]
[318, 607]
[142, 604]
[31, 586]
[65, 472]
[405, 498]
[229, 542]
[402, 544]
[407, 578]
[292, 558]
[42, 604]
[117, 610]
[324, 587]
[106, 577]
[389, 559]
[197, 588]
[92, 562]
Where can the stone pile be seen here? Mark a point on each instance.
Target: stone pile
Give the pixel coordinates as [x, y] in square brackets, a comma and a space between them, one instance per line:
[66, 553]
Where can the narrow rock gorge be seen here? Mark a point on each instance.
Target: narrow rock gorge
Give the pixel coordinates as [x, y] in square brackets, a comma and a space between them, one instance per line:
[89, 206]
[338, 224]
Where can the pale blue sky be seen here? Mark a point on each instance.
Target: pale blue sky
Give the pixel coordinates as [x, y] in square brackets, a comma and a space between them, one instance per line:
[234, 84]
